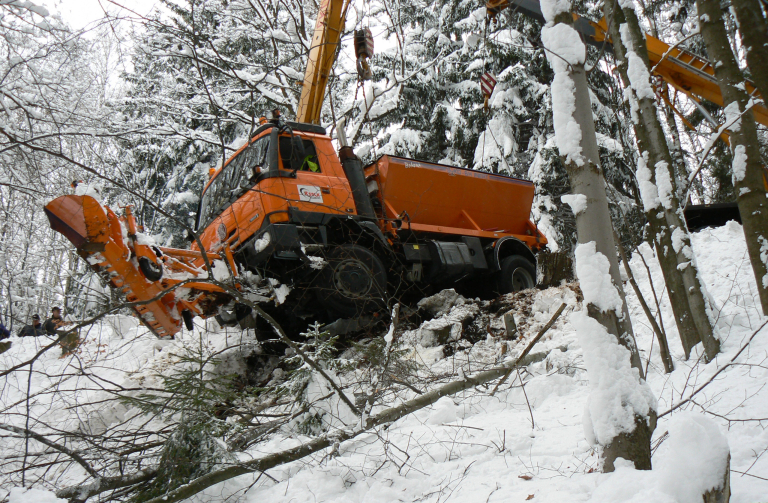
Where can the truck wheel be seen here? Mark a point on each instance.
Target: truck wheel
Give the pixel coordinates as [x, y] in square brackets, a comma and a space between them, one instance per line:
[517, 273]
[353, 282]
[149, 269]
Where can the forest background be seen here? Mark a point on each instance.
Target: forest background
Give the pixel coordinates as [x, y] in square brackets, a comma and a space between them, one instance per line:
[140, 106]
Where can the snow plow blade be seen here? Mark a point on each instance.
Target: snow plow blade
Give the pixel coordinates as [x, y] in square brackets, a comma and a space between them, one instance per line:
[115, 249]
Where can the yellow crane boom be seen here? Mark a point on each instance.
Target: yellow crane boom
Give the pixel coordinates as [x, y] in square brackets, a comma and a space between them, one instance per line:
[322, 56]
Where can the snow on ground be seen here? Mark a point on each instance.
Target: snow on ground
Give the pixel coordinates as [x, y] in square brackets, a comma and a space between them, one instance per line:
[519, 444]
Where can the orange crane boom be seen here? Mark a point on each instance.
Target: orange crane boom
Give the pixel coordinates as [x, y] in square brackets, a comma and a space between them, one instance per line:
[683, 70]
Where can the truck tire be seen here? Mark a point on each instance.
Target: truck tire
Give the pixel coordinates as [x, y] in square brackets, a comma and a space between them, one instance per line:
[353, 282]
[517, 273]
[150, 270]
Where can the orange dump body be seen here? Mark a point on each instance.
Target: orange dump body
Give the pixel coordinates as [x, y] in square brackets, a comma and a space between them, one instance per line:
[439, 199]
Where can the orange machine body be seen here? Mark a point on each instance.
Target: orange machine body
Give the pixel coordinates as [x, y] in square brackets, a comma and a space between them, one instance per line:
[273, 198]
[277, 210]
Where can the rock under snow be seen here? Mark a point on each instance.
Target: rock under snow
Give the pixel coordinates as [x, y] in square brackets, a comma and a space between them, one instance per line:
[441, 302]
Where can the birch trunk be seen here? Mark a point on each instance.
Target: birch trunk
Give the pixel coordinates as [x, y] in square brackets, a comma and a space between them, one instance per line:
[673, 243]
[577, 143]
[749, 178]
[594, 222]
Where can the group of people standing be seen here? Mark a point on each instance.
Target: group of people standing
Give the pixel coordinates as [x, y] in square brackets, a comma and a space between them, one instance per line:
[48, 328]
[51, 325]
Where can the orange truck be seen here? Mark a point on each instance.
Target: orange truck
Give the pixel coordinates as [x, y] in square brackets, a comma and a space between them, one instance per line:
[348, 237]
[286, 207]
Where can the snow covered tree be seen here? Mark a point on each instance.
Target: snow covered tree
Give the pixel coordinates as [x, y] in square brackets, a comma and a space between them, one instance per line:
[750, 176]
[621, 412]
[50, 124]
[658, 185]
[202, 76]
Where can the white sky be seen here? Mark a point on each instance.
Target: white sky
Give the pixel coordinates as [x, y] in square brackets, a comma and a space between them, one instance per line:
[79, 13]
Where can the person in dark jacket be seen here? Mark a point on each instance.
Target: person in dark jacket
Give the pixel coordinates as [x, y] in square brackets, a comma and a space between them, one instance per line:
[33, 330]
[54, 322]
[4, 334]
[69, 342]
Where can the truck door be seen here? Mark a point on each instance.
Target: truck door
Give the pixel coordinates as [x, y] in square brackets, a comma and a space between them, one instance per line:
[317, 186]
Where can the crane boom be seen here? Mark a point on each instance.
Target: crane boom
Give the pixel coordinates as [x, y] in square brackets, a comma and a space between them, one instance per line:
[322, 56]
[683, 70]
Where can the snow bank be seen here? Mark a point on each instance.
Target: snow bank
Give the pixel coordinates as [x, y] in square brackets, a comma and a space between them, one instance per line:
[441, 302]
[689, 464]
[22, 495]
[472, 447]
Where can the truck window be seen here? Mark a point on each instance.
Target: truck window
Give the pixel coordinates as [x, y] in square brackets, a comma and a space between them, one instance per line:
[309, 162]
[236, 177]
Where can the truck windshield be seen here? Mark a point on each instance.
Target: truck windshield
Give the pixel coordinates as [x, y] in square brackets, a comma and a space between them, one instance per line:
[232, 181]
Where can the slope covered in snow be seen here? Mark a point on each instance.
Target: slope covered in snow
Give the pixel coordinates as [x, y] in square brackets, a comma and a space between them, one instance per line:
[521, 443]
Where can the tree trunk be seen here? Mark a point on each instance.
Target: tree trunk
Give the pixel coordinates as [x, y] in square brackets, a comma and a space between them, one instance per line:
[671, 236]
[574, 123]
[721, 494]
[749, 178]
[754, 35]
[593, 224]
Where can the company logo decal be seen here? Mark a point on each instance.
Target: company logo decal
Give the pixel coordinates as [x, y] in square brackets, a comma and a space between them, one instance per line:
[310, 193]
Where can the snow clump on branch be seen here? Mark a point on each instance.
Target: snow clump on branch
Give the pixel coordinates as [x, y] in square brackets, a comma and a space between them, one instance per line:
[577, 202]
[617, 393]
[739, 163]
[664, 184]
[564, 50]
[593, 271]
[551, 8]
[648, 191]
[639, 76]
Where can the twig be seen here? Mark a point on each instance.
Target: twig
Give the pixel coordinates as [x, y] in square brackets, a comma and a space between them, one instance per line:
[53, 445]
[683, 402]
[530, 346]
[522, 385]
[666, 358]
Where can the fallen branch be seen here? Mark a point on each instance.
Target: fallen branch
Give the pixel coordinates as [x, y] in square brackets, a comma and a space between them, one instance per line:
[100, 485]
[534, 341]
